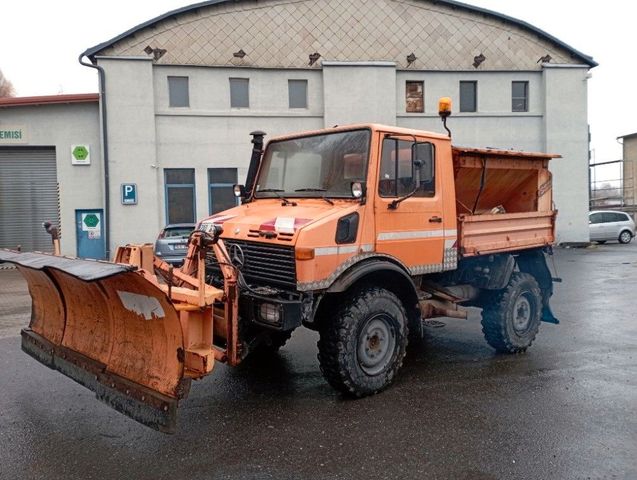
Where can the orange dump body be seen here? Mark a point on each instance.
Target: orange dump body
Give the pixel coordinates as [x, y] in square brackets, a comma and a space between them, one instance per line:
[504, 200]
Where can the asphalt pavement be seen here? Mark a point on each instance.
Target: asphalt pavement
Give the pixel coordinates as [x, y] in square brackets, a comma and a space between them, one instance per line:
[566, 409]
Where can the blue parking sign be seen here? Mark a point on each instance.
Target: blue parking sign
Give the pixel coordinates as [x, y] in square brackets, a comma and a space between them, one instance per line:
[129, 194]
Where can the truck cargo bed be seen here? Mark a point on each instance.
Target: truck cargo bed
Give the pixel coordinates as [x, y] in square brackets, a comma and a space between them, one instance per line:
[503, 200]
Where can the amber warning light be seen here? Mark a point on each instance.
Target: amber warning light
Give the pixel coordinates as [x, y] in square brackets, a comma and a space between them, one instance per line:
[444, 110]
[444, 107]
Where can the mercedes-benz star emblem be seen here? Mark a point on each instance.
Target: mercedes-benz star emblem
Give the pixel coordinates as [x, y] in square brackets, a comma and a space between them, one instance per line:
[237, 256]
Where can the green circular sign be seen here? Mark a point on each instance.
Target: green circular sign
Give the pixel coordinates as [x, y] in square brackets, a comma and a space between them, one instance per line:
[80, 152]
[91, 220]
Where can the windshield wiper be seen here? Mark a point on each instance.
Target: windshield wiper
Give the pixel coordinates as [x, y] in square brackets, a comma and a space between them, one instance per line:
[316, 190]
[277, 191]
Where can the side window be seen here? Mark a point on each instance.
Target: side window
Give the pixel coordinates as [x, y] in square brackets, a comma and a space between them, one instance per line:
[220, 183]
[178, 94]
[607, 217]
[519, 96]
[618, 217]
[468, 96]
[297, 93]
[414, 97]
[595, 218]
[180, 195]
[397, 171]
[239, 93]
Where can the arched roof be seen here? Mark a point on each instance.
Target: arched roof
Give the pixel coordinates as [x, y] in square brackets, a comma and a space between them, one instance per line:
[455, 30]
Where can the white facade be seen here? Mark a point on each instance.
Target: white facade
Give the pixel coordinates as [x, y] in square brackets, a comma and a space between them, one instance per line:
[360, 76]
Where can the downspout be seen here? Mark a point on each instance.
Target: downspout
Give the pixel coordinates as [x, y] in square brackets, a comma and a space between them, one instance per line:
[107, 193]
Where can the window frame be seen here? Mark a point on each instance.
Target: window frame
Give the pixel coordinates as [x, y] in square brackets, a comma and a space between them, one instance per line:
[212, 185]
[396, 194]
[299, 81]
[247, 83]
[422, 96]
[193, 186]
[525, 98]
[475, 96]
[172, 93]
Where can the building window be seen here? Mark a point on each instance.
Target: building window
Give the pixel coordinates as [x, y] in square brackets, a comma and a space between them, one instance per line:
[180, 195]
[239, 93]
[414, 97]
[220, 191]
[468, 96]
[520, 96]
[297, 93]
[178, 95]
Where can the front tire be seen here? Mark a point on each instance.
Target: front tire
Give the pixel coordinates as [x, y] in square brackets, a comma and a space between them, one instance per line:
[625, 237]
[362, 347]
[511, 319]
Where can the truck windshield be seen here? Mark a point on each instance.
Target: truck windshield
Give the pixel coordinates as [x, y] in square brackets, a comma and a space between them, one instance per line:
[320, 165]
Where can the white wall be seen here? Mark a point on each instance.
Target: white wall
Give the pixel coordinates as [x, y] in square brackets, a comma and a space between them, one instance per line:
[359, 92]
[61, 126]
[566, 133]
[146, 135]
[132, 149]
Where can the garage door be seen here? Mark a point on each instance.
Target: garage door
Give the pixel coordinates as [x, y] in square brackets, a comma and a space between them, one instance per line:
[28, 197]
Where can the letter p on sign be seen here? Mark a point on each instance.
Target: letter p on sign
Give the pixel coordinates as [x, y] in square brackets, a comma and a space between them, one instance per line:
[129, 194]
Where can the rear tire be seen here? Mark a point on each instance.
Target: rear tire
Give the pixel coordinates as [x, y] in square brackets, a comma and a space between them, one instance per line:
[511, 319]
[362, 346]
[625, 237]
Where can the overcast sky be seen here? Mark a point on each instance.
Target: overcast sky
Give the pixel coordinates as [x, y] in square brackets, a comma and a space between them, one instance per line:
[40, 41]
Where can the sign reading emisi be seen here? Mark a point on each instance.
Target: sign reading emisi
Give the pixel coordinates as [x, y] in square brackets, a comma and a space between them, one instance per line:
[13, 134]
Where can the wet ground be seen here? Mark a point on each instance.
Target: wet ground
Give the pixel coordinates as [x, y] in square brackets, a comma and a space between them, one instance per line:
[567, 409]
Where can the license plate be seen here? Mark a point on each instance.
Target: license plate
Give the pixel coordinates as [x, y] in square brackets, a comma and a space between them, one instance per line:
[180, 247]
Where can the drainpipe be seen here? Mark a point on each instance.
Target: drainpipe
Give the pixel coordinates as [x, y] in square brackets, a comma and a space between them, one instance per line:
[107, 193]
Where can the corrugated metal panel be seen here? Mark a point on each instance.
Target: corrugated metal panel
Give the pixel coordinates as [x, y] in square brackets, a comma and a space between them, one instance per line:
[28, 197]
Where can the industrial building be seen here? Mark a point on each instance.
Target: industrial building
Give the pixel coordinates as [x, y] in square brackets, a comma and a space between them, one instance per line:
[168, 134]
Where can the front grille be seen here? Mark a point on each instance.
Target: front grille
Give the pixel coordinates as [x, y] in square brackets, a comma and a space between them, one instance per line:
[264, 264]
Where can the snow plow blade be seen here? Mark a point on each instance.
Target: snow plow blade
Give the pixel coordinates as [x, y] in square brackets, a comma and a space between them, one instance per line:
[109, 328]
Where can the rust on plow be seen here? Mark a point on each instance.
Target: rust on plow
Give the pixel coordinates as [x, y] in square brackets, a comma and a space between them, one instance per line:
[126, 333]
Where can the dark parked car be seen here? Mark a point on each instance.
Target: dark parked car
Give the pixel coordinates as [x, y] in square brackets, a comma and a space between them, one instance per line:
[172, 244]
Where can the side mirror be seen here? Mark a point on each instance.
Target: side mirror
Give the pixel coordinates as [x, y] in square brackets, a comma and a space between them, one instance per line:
[422, 156]
[239, 191]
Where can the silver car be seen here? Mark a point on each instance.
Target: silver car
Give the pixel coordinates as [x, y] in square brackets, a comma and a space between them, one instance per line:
[172, 244]
[606, 225]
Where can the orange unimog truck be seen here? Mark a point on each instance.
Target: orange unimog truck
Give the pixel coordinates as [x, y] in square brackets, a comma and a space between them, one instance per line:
[358, 232]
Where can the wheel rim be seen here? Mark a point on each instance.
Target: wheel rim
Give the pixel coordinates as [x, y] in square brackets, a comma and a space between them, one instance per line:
[376, 344]
[522, 313]
[625, 237]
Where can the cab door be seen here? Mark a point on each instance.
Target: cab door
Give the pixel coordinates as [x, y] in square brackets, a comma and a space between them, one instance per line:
[409, 229]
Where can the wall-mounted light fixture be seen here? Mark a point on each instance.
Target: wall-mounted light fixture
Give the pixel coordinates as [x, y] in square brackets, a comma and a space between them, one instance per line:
[545, 59]
[157, 53]
[411, 58]
[313, 58]
[239, 54]
[478, 59]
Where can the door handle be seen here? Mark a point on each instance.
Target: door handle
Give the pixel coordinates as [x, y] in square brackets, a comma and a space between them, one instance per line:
[435, 220]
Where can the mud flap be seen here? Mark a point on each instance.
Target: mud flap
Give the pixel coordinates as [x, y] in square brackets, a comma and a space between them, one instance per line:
[109, 329]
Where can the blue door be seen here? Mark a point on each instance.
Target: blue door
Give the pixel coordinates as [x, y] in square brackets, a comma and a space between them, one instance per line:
[89, 231]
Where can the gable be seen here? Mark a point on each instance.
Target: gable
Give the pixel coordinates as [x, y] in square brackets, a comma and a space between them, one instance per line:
[443, 35]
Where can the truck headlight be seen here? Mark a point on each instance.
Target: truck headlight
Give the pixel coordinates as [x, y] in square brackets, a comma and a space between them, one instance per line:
[270, 313]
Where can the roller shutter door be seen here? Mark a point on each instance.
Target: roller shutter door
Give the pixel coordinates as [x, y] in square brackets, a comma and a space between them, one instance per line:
[28, 197]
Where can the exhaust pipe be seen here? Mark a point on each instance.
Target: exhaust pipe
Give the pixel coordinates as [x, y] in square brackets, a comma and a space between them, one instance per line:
[255, 160]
